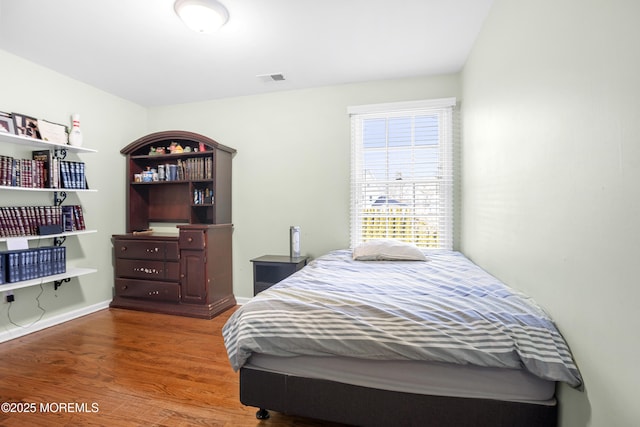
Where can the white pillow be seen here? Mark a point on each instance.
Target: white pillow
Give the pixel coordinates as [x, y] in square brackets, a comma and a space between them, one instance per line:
[387, 250]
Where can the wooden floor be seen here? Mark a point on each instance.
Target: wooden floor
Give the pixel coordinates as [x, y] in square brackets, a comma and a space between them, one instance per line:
[126, 368]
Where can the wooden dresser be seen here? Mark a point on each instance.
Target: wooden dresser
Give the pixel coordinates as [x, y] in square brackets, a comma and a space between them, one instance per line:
[188, 273]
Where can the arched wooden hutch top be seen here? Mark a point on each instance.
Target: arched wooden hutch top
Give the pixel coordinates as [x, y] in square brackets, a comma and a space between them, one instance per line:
[200, 191]
[139, 146]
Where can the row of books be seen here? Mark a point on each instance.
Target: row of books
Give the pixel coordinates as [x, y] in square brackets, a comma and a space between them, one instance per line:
[72, 175]
[58, 173]
[43, 171]
[28, 264]
[189, 169]
[21, 172]
[203, 196]
[195, 168]
[16, 221]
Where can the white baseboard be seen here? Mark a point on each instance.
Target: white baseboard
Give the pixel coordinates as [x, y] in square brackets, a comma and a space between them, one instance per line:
[52, 321]
[242, 300]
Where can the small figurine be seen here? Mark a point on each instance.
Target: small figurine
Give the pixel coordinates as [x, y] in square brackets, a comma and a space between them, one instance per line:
[174, 147]
[152, 151]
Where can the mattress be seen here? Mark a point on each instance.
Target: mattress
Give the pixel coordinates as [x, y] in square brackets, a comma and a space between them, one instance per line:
[439, 379]
[446, 310]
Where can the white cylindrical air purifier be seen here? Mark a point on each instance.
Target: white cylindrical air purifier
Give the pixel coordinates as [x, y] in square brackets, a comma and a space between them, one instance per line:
[294, 241]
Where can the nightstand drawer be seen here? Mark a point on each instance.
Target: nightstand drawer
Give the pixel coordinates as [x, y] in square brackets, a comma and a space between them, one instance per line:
[151, 270]
[160, 291]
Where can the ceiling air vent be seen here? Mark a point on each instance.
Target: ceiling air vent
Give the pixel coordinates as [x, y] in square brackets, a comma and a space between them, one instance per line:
[275, 77]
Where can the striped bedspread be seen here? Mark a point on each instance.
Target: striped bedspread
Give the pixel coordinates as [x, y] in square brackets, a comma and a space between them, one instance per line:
[445, 310]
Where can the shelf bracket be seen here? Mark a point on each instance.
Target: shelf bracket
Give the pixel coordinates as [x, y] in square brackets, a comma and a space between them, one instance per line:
[57, 201]
[59, 241]
[59, 283]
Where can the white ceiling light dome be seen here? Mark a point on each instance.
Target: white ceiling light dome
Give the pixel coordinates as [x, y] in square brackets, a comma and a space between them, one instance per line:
[202, 16]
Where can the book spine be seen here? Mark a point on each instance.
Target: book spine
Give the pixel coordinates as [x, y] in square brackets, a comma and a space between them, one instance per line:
[55, 173]
[3, 170]
[9, 221]
[79, 216]
[13, 274]
[82, 179]
[15, 222]
[64, 174]
[13, 172]
[24, 219]
[3, 222]
[67, 218]
[18, 226]
[60, 259]
[20, 173]
[73, 172]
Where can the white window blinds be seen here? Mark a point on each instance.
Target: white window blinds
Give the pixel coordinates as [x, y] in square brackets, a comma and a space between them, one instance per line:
[401, 172]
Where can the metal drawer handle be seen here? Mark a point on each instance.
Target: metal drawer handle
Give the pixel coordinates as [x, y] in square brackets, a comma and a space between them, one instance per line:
[152, 250]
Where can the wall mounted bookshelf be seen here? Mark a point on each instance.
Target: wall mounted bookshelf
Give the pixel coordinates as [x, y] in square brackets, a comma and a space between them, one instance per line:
[57, 279]
[26, 144]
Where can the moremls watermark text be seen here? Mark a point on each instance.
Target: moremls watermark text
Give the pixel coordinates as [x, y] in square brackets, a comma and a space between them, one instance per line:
[49, 407]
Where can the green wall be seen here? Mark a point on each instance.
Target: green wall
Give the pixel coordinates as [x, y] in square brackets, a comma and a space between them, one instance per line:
[293, 161]
[292, 168]
[551, 169]
[107, 123]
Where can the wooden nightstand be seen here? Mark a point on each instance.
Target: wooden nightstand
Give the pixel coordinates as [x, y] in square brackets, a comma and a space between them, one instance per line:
[270, 269]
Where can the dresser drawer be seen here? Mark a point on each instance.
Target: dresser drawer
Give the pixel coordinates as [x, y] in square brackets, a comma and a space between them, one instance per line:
[145, 249]
[192, 239]
[144, 269]
[160, 291]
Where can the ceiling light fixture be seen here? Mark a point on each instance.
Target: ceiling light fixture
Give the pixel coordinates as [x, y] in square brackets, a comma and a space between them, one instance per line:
[202, 16]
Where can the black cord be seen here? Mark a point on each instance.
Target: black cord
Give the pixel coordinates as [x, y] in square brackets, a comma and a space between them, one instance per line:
[43, 311]
[39, 306]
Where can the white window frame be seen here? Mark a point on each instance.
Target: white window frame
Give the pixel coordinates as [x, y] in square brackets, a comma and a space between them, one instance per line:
[442, 220]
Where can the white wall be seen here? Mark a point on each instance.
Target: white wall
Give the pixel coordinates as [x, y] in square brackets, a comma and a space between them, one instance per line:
[292, 164]
[108, 123]
[551, 175]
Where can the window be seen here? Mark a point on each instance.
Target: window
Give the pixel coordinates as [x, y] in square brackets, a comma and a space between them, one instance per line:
[401, 172]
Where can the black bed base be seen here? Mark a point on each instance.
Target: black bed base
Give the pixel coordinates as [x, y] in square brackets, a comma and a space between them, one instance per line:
[362, 406]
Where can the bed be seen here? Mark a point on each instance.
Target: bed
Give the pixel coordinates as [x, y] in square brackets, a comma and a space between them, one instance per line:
[434, 341]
